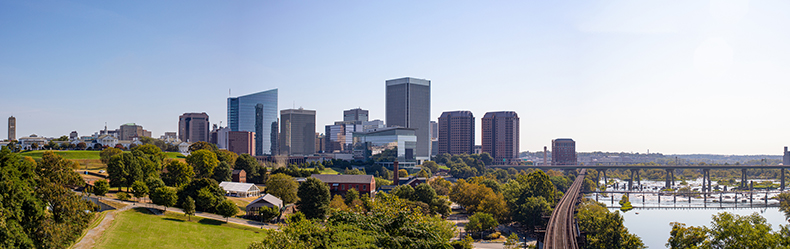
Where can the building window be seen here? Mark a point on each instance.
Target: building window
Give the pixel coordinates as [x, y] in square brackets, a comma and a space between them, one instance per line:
[364, 187]
[342, 187]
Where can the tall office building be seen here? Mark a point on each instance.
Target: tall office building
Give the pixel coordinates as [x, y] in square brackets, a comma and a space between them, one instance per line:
[355, 115]
[257, 113]
[563, 151]
[193, 127]
[297, 132]
[434, 130]
[339, 137]
[131, 130]
[11, 128]
[457, 133]
[409, 105]
[501, 135]
[241, 142]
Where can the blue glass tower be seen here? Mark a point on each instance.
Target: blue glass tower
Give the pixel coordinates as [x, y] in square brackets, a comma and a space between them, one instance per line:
[257, 113]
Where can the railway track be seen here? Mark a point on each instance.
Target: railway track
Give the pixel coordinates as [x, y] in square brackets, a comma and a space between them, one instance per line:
[562, 231]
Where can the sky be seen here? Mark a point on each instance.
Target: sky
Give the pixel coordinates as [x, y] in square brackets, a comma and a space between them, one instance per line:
[673, 77]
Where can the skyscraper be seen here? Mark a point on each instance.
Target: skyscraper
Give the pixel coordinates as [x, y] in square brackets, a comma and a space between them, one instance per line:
[257, 113]
[297, 131]
[501, 135]
[193, 127]
[457, 133]
[356, 114]
[563, 151]
[409, 105]
[11, 128]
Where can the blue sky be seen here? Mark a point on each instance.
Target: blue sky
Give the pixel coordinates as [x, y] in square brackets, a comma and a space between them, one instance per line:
[669, 76]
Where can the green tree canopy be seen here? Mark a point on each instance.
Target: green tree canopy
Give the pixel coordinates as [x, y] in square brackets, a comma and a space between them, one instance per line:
[283, 186]
[480, 221]
[164, 196]
[255, 171]
[729, 230]
[188, 207]
[203, 162]
[227, 209]
[202, 145]
[101, 187]
[223, 172]
[178, 173]
[313, 198]
[107, 153]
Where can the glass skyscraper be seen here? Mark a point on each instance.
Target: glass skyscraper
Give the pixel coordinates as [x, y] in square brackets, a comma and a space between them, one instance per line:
[409, 106]
[257, 113]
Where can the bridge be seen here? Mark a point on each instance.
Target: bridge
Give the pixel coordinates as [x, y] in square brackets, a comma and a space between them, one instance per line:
[670, 175]
[562, 230]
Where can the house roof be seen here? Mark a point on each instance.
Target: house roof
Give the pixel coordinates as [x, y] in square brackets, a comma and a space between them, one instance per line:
[238, 187]
[237, 171]
[412, 179]
[270, 199]
[344, 178]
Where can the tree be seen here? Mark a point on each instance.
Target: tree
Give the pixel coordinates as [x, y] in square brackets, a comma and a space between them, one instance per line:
[122, 196]
[101, 187]
[480, 221]
[164, 196]
[604, 229]
[784, 203]
[431, 165]
[728, 231]
[405, 192]
[189, 207]
[223, 172]
[178, 173]
[227, 156]
[34, 146]
[108, 153]
[227, 209]
[486, 158]
[511, 242]
[38, 209]
[139, 189]
[154, 183]
[685, 237]
[403, 173]
[440, 185]
[351, 196]
[496, 206]
[424, 193]
[254, 170]
[337, 203]
[82, 146]
[469, 195]
[205, 192]
[283, 186]
[268, 213]
[203, 162]
[313, 198]
[202, 145]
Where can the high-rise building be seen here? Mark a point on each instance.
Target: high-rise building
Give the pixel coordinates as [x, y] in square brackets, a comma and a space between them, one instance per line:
[319, 143]
[372, 125]
[193, 127]
[340, 136]
[131, 130]
[457, 133]
[11, 128]
[297, 132]
[73, 135]
[500, 135]
[408, 105]
[241, 142]
[257, 113]
[356, 114]
[434, 130]
[563, 151]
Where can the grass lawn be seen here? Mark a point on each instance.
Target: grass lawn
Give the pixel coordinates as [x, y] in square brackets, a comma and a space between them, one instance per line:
[136, 228]
[444, 167]
[84, 154]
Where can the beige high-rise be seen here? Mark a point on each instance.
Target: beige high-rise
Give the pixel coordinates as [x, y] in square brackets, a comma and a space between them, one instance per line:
[11, 128]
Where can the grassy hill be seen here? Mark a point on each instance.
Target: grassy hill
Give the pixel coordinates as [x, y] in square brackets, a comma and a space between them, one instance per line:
[83, 154]
[137, 228]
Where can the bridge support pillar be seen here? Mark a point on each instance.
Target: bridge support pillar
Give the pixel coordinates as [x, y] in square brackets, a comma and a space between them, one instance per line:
[781, 180]
[743, 178]
[705, 179]
[638, 180]
[631, 180]
[668, 182]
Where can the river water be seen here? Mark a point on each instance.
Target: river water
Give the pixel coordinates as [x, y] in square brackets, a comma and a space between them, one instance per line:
[652, 223]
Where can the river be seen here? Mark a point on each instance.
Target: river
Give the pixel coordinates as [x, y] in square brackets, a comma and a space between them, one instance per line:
[652, 224]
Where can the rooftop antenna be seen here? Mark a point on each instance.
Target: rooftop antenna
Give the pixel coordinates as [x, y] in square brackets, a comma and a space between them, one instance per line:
[229, 92]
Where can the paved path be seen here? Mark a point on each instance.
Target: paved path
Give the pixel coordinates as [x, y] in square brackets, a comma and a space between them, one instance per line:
[95, 233]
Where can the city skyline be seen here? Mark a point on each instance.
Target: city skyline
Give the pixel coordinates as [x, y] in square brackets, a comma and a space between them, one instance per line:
[669, 77]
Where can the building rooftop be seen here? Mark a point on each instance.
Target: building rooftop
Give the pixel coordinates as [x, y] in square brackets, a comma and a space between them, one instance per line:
[344, 178]
[270, 199]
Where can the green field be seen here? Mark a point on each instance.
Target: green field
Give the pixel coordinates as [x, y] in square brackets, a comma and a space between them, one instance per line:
[136, 228]
[83, 154]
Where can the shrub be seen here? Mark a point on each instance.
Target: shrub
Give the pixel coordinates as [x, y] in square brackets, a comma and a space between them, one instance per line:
[123, 196]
